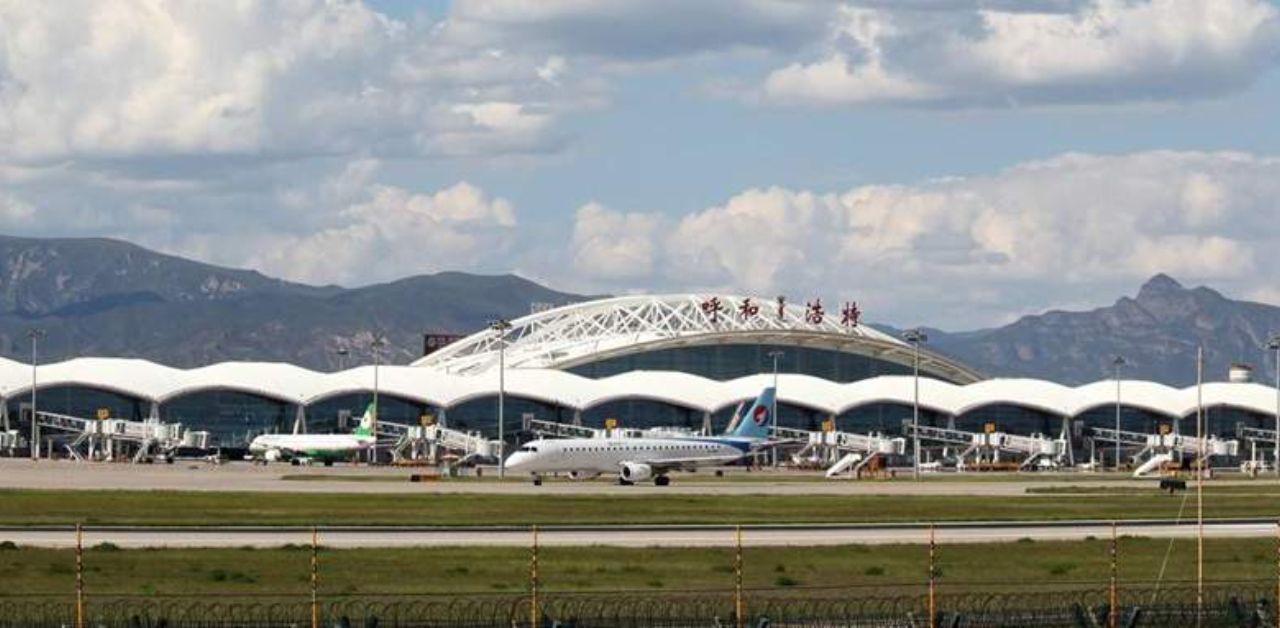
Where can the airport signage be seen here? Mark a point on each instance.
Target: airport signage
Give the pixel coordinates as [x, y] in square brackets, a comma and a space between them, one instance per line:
[716, 310]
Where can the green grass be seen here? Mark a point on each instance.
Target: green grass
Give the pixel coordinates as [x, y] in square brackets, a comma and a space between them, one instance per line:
[19, 507]
[456, 570]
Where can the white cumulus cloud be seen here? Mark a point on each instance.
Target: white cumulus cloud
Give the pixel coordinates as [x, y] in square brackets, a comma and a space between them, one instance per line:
[609, 244]
[391, 233]
[126, 78]
[1099, 51]
[966, 250]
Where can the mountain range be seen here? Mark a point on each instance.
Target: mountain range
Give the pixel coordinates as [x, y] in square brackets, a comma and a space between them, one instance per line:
[104, 297]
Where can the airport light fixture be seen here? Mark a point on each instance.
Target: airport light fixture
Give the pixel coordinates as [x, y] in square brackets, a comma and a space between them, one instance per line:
[915, 337]
[35, 334]
[773, 412]
[342, 358]
[1274, 345]
[1118, 362]
[376, 345]
[500, 327]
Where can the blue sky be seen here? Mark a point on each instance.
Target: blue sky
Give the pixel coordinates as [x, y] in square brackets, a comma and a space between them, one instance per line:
[956, 163]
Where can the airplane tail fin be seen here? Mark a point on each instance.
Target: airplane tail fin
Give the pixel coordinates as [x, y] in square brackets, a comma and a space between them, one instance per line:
[366, 422]
[756, 421]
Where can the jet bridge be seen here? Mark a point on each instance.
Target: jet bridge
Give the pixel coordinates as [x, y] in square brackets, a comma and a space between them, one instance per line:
[1157, 449]
[989, 449]
[106, 439]
[841, 452]
[432, 443]
[1258, 439]
[11, 440]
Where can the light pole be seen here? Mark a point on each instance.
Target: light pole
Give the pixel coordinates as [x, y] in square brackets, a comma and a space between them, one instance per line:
[35, 334]
[773, 412]
[376, 346]
[1274, 345]
[1118, 362]
[501, 326]
[915, 337]
[342, 358]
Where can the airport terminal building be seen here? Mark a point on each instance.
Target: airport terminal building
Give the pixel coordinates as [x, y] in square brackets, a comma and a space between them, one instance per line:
[683, 360]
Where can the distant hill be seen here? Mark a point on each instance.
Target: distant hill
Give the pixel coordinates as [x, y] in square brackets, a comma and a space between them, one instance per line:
[1157, 332]
[110, 298]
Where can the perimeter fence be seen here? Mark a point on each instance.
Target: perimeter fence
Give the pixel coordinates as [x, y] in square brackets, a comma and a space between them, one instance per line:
[929, 602]
[1238, 604]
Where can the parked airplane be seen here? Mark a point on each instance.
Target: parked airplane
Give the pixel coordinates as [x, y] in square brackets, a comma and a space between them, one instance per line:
[639, 459]
[325, 448]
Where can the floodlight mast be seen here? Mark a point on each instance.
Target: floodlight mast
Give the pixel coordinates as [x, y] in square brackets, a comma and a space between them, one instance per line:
[501, 326]
[915, 337]
[376, 345]
[1118, 362]
[35, 334]
[776, 355]
[1274, 345]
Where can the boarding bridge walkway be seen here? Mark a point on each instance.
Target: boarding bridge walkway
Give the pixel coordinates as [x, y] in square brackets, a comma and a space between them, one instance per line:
[411, 443]
[843, 451]
[1157, 450]
[102, 439]
[1036, 449]
[1259, 439]
[1162, 443]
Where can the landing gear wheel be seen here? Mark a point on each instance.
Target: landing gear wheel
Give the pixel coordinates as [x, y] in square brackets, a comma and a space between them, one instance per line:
[661, 480]
[537, 481]
[622, 482]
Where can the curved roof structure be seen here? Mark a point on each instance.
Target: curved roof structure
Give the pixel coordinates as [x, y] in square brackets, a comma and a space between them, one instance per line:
[567, 336]
[156, 383]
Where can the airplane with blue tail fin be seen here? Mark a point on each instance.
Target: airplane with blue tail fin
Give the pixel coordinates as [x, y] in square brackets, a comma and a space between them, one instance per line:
[642, 459]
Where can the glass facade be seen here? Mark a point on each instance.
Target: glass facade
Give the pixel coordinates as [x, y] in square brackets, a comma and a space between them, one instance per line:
[642, 413]
[481, 414]
[885, 418]
[82, 402]
[1131, 420]
[232, 417]
[1011, 419]
[731, 361]
[1221, 421]
[322, 416]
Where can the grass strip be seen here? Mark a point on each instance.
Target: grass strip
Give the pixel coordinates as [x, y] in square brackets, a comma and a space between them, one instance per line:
[48, 507]
[1020, 566]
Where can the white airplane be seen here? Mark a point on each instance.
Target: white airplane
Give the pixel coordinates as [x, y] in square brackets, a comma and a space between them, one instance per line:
[641, 459]
[325, 448]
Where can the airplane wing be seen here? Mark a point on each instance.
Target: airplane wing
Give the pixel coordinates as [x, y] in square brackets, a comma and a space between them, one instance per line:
[676, 464]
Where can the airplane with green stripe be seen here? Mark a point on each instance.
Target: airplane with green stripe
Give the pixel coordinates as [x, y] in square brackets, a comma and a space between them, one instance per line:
[326, 448]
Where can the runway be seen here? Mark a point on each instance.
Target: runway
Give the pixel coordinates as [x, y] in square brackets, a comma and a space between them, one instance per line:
[242, 476]
[626, 536]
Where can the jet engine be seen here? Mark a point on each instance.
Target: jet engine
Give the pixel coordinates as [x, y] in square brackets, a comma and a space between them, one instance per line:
[636, 472]
[273, 455]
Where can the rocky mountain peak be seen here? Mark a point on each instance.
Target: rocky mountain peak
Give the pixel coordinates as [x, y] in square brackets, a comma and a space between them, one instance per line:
[1158, 286]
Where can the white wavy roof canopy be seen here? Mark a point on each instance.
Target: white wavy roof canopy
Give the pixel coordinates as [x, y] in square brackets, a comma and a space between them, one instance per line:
[291, 384]
[566, 336]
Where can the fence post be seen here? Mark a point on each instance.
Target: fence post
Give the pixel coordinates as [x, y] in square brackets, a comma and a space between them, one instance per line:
[1112, 612]
[79, 576]
[737, 579]
[933, 577]
[533, 582]
[315, 577]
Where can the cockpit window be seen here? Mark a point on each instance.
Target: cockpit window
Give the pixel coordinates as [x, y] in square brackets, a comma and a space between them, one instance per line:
[529, 448]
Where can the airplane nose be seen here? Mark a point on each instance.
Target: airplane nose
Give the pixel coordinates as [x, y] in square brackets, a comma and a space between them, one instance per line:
[516, 460]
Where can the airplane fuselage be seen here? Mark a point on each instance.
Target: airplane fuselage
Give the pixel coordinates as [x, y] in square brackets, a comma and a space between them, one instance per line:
[320, 446]
[608, 455]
